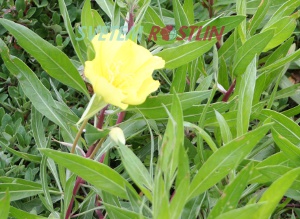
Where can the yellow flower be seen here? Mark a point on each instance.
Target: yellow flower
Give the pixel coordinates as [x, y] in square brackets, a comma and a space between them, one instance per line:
[121, 72]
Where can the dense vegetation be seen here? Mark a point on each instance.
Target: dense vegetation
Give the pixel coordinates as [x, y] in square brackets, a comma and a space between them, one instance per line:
[219, 139]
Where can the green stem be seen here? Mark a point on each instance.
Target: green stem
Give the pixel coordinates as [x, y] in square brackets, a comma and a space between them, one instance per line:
[200, 148]
[98, 146]
[78, 135]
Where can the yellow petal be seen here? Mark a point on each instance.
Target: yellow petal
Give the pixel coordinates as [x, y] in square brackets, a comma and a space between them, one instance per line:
[108, 92]
[105, 50]
[121, 72]
[138, 97]
[132, 56]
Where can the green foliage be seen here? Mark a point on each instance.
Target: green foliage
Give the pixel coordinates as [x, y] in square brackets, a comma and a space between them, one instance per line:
[219, 139]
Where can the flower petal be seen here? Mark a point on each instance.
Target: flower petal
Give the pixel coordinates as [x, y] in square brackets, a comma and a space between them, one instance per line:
[121, 72]
[103, 88]
[106, 50]
[138, 97]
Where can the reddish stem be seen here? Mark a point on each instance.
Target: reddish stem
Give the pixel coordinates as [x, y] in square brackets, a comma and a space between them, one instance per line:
[131, 19]
[172, 196]
[78, 182]
[229, 92]
[211, 14]
[121, 117]
[210, 8]
[101, 118]
[98, 204]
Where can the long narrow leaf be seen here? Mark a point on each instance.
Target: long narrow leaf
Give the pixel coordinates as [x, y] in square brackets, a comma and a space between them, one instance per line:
[246, 84]
[55, 62]
[225, 159]
[99, 175]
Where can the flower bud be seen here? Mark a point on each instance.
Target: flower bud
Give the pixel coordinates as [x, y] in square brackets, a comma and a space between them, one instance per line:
[117, 135]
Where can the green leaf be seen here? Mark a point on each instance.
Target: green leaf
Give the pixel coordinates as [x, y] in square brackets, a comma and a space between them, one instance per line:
[229, 48]
[20, 214]
[92, 134]
[38, 128]
[122, 213]
[68, 25]
[292, 151]
[172, 141]
[246, 85]
[107, 6]
[41, 142]
[68, 192]
[11, 180]
[246, 53]
[188, 8]
[281, 62]
[33, 89]
[179, 79]
[225, 130]
[179, 198]
[223, 74]
[192, 208]
[152, 17]
[87, 205]
[277, 159]
[292, 111]
[180, 16]
[20, 5]
[280, 52]
[161, 198]
[20, 188]
[288, 92]
[241, 10]
[205, 83]
[44, 181]
[284, 28]
[283, 125]
[285, 9]
[195, 69]
[231, 194]
[95, 105]
[286, 83]
[25, 156]
[183, 172]
[274, 172]
[136, 170]
[225, 159]
[5, 206]
[244, 212]
[111, 200]
[136, 203]
[193, 113]
[99, 175]
[153, 107]
[203, 135]
[185, 53]
[267, 78]
[19, 191]
[115, 21]
[228, 23]
[259, 15]
[54, 62]
[275, 192]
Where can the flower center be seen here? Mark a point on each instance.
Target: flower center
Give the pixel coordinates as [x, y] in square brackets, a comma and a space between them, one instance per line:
[117, 77]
